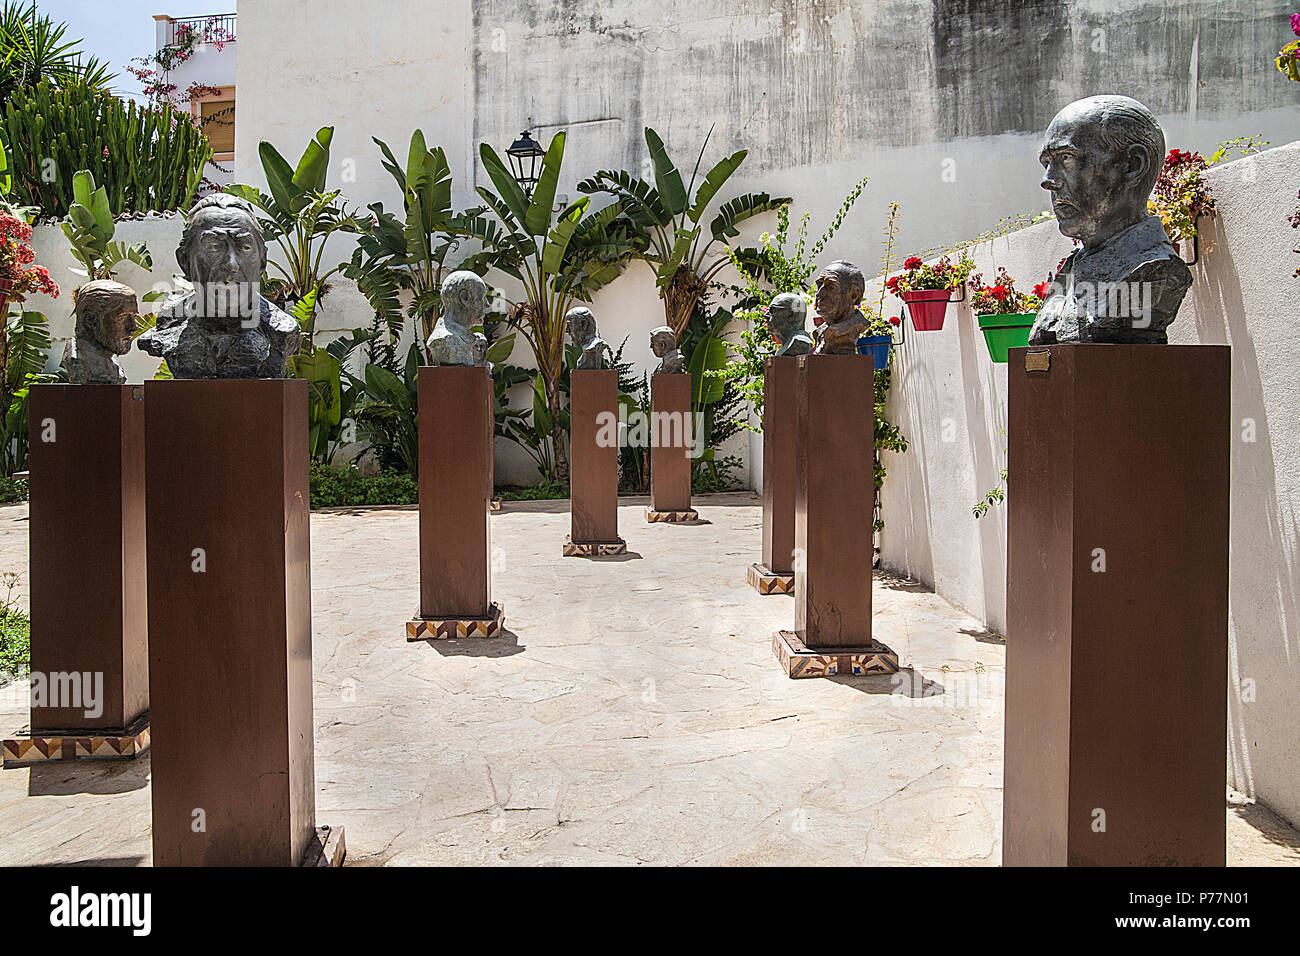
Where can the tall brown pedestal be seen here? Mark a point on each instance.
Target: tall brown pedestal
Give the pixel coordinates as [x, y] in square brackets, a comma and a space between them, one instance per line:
[1117, 606]
[671, 431]
[89, 646]
[593, 464]
[229, 622]
[455, 487]
[775, 574]
[833, 523]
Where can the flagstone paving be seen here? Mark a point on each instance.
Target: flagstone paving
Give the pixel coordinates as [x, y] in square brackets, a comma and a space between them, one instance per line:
[633, 713]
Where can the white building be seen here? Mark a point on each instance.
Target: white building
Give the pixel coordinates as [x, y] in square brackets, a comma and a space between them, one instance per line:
[206, 50]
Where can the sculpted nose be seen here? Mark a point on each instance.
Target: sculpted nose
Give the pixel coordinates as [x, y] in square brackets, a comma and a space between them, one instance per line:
[1050, 182]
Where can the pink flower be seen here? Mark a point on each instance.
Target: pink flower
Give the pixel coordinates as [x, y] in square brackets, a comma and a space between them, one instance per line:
[1295, 24]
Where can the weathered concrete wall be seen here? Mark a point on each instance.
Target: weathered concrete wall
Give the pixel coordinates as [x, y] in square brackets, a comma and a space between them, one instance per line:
[942, 102]
[950, 401]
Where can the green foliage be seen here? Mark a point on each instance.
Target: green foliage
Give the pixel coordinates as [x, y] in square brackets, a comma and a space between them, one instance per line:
[299, 215]
[343, 487]
[15, 633]
[24, 350]
[12, 489]
[410, 255]
[543, 492]
[388, 406]
[666, 217]
[145, 158]
[90, 229]
[559, 257]
[33, 50]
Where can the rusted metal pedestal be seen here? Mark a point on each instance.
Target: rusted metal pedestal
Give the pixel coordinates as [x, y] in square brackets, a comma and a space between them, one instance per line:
[833, 523]
[230, 675]
[775, 573]
[455, 488]
[89, 641]
[593, 464]
[671, 431]
[1117, 606]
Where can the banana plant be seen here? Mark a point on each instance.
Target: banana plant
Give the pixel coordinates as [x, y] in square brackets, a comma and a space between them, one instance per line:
[560, 257]
[299, 215]
[677, 243]
[90, 228]
[411, 254]
[24, 350]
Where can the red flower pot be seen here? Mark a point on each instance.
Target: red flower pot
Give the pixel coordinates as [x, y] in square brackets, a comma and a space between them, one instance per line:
[928, 308]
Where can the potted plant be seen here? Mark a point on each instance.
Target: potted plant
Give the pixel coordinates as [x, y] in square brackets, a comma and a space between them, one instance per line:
[927, 289]
[1005, 314]
[1181, 197]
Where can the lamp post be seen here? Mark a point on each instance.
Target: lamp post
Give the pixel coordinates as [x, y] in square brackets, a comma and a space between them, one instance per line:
[525, 161]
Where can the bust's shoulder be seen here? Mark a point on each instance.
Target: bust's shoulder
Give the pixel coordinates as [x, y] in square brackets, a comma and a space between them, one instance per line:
[276, 319]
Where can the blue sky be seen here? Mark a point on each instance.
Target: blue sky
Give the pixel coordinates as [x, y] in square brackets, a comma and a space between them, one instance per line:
[118, 31]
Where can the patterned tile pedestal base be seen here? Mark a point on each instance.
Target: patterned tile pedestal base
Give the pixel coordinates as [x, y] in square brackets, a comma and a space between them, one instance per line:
[25, 751]
[327, 849]
[495, 504]
[593, 549]
[443, 628]
[798, 661]
[768, 582]
[671, 517]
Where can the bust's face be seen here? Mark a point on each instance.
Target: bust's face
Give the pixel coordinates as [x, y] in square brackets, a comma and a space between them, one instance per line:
[1091, 197]
[832, 300]
[115, 324]
[785, 317]
[581, 330]
[227, 249]
[473, 303]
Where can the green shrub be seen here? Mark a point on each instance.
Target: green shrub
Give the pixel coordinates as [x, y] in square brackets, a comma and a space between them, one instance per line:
[542, 492]
[15, 633]
[344, 487]
[12, 489]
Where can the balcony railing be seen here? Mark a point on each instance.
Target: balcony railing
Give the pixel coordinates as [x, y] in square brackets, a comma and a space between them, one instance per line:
[217, 28]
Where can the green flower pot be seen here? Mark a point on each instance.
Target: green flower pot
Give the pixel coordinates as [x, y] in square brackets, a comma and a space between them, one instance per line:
[1002, 332]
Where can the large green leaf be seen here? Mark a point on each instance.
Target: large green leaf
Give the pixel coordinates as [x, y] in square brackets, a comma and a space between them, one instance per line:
[499, 351]
[709, 355]
[6, 176]
[543, 422]
[279, 179]
[538, 218]
[557, 243]
[320, 370]
[512, 194]
[667, 179]
[713, 182]
[737, 210]
[681, 246]
[314, 164]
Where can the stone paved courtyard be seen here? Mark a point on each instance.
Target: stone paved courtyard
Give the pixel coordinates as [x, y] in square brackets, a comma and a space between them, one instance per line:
[632, 714]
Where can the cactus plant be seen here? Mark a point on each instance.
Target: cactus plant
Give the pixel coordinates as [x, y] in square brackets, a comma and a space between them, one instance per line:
[145, 158]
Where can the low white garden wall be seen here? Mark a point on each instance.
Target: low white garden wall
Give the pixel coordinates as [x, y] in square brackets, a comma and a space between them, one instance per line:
[950, 402]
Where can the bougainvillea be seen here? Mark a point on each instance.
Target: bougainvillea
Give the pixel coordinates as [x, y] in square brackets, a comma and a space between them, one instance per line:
[18, 276]
[1182, 196]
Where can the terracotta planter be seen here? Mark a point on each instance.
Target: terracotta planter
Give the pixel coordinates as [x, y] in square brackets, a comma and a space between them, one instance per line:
[1002, 332]
[928, 307]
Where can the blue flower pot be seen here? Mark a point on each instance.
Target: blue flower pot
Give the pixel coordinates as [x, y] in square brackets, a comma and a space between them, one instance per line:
[877, 346]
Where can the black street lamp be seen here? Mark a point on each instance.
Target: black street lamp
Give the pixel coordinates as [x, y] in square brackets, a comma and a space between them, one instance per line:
[525, 161]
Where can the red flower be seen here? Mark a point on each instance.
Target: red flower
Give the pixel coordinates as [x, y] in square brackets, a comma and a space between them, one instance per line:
[1040, 290]
[893, 320]
[913, 262]
[891, 284]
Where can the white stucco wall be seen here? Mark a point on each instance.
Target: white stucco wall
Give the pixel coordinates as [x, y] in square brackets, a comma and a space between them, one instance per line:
[950, 401]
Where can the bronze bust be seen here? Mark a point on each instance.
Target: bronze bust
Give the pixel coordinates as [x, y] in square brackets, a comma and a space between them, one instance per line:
[106, 314]
[464, 303]
[582, 331]
[663, 342]
[1102, 156]
[840, 323]
[786, 315]
[224, 328]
